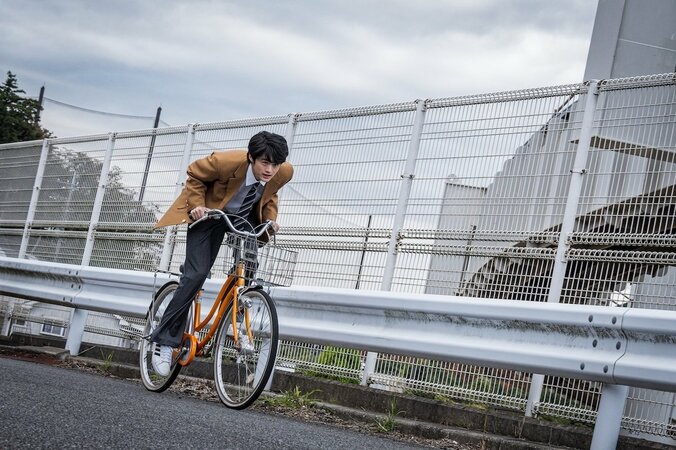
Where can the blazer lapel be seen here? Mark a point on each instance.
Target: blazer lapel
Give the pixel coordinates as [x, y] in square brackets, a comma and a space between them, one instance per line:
[271, 187]
[234, 183]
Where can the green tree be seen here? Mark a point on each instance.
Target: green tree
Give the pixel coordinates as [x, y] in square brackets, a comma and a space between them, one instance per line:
[18, 114]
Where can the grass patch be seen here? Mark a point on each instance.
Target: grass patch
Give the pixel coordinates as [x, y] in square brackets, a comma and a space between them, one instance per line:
[294, 399]
[107, 361]
[330, 356]
[388, 423]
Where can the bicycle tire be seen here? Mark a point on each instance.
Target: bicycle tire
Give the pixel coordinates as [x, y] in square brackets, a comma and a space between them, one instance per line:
[240, 376]
[152, 380]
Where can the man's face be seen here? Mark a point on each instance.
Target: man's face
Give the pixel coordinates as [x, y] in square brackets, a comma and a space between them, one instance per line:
[264, 170]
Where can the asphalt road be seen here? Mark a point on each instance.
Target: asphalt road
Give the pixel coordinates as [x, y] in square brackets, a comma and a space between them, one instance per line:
[43, 406]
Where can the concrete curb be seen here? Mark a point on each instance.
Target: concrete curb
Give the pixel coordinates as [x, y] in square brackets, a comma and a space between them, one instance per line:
[436, 431]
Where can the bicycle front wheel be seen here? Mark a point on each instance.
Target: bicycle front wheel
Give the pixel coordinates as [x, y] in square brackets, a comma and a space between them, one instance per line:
[241, 371]
[152, 380]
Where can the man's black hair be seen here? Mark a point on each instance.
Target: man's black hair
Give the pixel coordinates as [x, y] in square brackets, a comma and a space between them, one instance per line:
[268, 146]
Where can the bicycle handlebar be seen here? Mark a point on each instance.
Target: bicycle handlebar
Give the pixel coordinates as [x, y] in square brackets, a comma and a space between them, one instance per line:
[217, 213]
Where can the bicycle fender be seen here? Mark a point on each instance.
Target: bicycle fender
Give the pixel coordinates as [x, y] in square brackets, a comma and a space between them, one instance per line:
[251, 288]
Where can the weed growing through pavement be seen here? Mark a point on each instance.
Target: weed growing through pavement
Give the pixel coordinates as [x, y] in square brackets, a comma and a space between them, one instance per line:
[388, 423]
[107, 361]
[295, 399]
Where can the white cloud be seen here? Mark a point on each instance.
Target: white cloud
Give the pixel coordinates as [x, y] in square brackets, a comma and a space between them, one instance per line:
[210, 61]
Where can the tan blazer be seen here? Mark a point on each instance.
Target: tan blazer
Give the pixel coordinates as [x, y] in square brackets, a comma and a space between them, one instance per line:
[214, 180]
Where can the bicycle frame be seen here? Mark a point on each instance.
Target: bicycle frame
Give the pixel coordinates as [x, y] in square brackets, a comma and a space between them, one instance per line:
[228, 294]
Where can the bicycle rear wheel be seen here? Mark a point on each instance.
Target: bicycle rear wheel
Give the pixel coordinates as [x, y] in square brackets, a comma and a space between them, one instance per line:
[151, 379]
[241, 374]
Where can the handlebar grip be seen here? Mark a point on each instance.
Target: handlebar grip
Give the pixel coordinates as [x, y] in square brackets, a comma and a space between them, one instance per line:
[201, 219]
[212, 213]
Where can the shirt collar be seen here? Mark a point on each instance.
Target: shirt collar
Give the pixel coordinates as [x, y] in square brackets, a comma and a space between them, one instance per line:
[250, 178]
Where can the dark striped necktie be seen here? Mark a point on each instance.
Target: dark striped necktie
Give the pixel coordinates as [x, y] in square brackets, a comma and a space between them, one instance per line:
[244, 210]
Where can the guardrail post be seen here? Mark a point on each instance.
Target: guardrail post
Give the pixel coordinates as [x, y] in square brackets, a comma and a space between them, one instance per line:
[399, 216]
[609, 417]
[568, 224]
[98, 200]
[76, 330]
[32, 206]
[170, 235]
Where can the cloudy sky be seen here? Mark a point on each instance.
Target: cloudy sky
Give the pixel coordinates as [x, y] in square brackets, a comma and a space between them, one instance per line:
[208, 61]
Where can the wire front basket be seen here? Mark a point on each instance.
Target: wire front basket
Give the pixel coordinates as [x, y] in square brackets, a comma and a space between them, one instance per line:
[275, 265]
[270, 265]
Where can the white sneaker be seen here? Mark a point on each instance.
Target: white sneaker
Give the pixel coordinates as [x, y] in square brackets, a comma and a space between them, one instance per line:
[162, 359]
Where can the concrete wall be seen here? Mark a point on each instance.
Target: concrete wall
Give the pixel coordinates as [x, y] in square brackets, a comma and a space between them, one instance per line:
[632, 37]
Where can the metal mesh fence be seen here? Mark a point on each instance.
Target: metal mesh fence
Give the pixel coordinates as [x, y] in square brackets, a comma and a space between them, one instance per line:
[484, 184]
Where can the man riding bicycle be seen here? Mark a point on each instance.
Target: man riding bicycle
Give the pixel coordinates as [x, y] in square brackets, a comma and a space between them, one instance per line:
[241, 183]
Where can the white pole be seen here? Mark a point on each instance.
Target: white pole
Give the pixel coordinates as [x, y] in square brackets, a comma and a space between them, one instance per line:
[32, 206]
[79, 317]
[609, 417]
[398, 223]
[76, 331]
[567, 225]
[289, 135]
[98, 200]
[168, 247]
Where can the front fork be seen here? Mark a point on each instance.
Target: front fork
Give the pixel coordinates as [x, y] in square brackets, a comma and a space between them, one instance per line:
[243, 303]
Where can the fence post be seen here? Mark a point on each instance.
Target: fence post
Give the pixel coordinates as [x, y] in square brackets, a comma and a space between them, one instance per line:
[289, 135]
[79, 316]
[568, 223]
[399, 216]
[32, 206]
[98, 200]
[290, 132]
[170, 235]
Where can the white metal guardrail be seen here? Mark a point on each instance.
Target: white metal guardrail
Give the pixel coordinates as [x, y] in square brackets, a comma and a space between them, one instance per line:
[617, 346]
[636, 347]
[611, 345]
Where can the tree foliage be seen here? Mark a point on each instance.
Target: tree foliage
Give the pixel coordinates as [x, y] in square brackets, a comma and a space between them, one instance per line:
[72, 174]
[67, 198]
[18, 114]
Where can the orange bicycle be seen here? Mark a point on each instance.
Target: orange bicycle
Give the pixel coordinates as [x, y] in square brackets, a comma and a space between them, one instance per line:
[243, 318]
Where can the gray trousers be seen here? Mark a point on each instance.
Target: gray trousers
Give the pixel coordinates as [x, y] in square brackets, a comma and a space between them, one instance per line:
[202, 245]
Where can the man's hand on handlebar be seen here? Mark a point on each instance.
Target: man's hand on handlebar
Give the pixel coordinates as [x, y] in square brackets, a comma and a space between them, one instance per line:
[199, 212]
